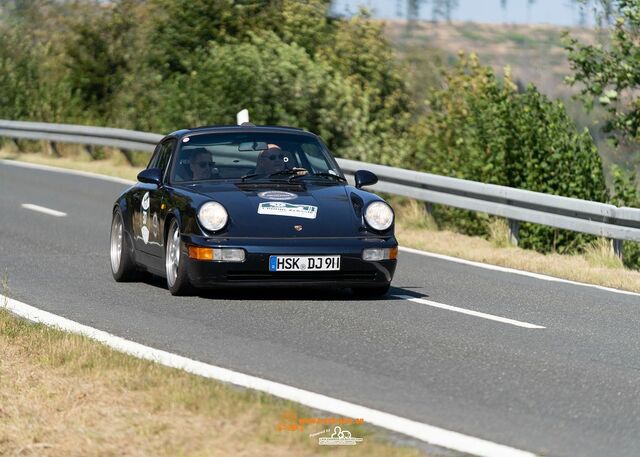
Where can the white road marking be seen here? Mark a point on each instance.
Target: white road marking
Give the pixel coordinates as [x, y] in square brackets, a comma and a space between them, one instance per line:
[470, 312]
[86, 174]
[488, 266]
[424, 432]
[44, 210]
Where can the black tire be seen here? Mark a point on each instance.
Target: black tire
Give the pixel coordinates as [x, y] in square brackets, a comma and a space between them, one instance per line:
[123, 266]
[371, 292]
[177, 281]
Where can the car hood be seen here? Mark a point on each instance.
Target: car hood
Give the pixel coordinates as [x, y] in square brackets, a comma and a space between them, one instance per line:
[329, 209]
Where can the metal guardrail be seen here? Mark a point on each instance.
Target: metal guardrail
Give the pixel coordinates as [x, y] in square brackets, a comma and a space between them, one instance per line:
[516, 205]
[80, 134]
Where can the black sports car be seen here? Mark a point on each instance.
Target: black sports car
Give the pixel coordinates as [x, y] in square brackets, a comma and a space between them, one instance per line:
[252, 206]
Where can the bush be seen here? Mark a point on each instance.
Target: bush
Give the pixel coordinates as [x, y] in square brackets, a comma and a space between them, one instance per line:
[625, 193]
[479, 127]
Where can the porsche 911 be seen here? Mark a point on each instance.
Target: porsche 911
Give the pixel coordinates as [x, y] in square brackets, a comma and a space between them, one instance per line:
[245, 205]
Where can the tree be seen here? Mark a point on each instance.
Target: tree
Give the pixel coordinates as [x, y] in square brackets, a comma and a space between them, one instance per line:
[609, 74]
[278, 82]
[99, 53]
[440, 9]
[180, 28]
[603, 10]
[360, 53]
[444, 9]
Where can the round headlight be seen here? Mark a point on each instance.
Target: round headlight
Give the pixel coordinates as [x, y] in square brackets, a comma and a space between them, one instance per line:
[213, 216]
[379, 215]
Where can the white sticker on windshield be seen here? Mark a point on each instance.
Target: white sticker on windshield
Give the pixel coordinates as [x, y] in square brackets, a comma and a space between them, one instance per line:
[288, 209]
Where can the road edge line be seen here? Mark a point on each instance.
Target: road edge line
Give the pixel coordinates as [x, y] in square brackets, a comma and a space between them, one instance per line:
[434, 435]
[86, 174]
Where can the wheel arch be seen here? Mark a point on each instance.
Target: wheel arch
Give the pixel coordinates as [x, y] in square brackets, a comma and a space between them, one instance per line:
[174, 214]
[121, 204]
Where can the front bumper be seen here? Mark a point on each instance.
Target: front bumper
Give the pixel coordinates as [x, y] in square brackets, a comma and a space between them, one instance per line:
[254, 271]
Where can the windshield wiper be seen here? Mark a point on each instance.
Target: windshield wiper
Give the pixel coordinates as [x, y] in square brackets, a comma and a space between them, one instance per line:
[290, 171]
[322, 175]
[250, 175]
[287, 171]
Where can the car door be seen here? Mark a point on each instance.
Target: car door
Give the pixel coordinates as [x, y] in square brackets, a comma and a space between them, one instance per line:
[147, 207]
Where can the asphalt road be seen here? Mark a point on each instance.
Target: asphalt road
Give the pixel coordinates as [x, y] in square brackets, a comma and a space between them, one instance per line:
[571, 388]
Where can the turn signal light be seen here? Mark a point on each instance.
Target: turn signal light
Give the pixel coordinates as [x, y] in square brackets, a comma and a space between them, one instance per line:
[217, 254]
[376, 254]
[199, 253]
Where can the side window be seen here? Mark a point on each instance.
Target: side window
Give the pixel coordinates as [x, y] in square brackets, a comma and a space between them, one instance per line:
[154, 157]
[164, 155]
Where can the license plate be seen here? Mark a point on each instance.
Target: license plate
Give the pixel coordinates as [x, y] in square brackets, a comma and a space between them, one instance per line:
[304, 263]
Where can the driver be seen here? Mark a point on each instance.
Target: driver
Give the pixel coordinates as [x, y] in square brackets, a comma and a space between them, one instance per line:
[272, 160]
[201, 164]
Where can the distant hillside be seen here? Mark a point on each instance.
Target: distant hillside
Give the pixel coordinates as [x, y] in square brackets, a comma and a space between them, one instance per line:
[534, 53]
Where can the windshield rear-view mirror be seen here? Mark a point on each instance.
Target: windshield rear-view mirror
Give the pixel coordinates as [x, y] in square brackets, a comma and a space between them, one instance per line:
[252, 146]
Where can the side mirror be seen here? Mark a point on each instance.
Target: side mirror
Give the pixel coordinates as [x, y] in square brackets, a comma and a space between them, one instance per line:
[365, 178]
[151, 176]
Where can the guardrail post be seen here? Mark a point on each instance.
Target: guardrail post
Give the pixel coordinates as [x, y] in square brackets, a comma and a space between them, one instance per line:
[514, 227]
[89, 149]
[618, 248]
[54, 148]
[428, 207]
[127, 155]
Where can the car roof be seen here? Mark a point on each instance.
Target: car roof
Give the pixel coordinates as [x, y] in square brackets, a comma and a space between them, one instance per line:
[245, 128]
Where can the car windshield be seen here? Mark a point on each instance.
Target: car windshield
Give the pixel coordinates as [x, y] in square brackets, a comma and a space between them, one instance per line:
[253, 156]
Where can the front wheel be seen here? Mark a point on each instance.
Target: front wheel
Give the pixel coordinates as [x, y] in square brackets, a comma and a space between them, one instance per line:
[371, 292]
[175, 263]
[123, 267]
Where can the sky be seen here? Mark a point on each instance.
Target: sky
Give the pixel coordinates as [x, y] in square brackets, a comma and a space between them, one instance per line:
[558, 12]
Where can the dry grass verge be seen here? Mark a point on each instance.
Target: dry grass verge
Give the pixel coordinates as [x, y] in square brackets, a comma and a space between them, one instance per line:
[598, 265]
[65, 395]
[418, 230]
[76, 158]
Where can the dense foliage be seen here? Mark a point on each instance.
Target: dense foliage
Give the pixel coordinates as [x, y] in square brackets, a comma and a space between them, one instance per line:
[481, 128]
[159, 65]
